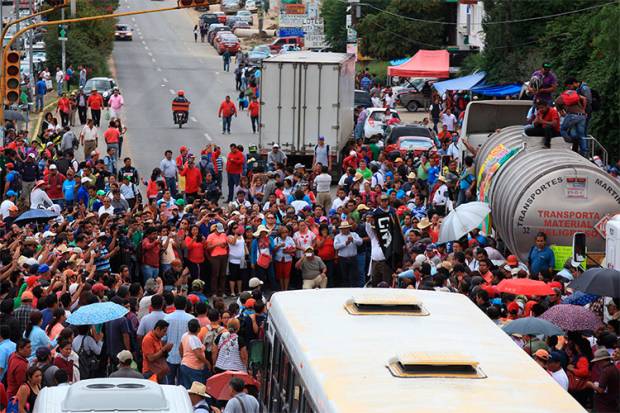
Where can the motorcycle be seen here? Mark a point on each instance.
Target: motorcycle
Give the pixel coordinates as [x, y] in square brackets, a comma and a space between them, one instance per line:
[180, 118]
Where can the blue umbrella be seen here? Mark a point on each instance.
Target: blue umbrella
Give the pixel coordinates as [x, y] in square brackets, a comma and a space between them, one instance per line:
[35, 215]
[532, 326]
[96, 314]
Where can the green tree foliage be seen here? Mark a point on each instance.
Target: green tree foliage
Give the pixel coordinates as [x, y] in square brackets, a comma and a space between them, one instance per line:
[584, 45]
[90, 43]
[334, 14]
[384, 35]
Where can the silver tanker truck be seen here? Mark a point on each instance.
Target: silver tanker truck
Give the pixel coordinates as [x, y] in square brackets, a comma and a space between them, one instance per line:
[532, 189]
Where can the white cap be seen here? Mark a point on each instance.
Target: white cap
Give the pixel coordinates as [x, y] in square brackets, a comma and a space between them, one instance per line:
[47, 234]
[275, 145]
[53, 166]
[352, 153]
[254, 282]
[32, 155]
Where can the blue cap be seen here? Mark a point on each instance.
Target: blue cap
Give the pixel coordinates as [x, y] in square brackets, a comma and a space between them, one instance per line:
[10, 192]
[43, 268]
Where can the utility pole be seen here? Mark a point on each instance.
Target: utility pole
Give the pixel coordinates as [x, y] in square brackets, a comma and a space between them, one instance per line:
[63, 44]
[260, 14]
[30, 65]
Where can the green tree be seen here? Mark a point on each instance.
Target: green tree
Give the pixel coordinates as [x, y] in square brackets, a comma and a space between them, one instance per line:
[334, 14]
[89, 43]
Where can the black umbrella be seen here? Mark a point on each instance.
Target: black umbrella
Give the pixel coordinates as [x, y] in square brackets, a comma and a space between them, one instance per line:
[599, 281]
[35, 215]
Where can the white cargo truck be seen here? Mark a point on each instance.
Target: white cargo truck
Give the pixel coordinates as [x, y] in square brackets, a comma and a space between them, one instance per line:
[305, 95]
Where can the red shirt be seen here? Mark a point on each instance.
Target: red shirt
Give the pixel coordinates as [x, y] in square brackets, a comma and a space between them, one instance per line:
[54, 185]
[193, 179]
[95, 101]
[64, 105]
[350, 162]
[227, 109]
[111, 135]
[326, 252]
[254, 109]
[195, 251]
[234, 163]
[15, 373]
[150, 252]
[552, 116]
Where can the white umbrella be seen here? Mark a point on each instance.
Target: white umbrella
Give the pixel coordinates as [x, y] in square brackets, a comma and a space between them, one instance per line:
[462, 219]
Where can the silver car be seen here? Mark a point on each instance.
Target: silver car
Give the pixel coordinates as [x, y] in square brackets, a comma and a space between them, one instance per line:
[230, 6]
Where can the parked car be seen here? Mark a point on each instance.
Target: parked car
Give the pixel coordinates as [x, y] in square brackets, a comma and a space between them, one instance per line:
[230, 6]
[123, 32]
[104, 86]
[240, 25]
[258, 53]
[221, 16]
[374, 124]
[414, 145]
[362, 98]
[246, 16]
[409, 139]
[208, 19]
[226, 41]
[277, 44]
[417, 84]
[289, 48]
[230, 20]
[414, 98]
[215, 30]
[250, 5]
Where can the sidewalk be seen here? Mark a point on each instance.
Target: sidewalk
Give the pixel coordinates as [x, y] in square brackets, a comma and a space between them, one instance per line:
[35, 118]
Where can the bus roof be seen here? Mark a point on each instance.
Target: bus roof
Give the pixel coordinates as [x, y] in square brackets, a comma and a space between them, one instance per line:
[343, 358]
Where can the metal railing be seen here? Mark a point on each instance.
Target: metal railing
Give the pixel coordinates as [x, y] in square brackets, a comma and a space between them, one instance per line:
[595, 148]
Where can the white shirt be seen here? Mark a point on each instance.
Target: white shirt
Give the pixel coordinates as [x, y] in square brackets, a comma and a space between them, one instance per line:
[377, 179]
[321, 156]
[561, 377]
[299, 204]
[440, 197]
[323, 182]
[39, 199]
[4, 207]
[376, 253]
[453, 151]
[339, 202]
[449, 121]
[89, 134]
[168, 168]
[103, 210]
[60, 76]
[347, 249]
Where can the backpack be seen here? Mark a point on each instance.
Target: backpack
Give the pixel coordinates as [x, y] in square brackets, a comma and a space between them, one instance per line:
[16, 183]
[13, 405]
[570, 97]
[88, 361]
[210, 337]
[597, 101]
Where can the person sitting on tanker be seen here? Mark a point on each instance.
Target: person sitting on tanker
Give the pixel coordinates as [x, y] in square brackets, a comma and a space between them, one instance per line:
[573, 105]
[546, 123]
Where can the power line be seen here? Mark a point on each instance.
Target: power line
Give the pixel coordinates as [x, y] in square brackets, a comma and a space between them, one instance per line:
[549, 16]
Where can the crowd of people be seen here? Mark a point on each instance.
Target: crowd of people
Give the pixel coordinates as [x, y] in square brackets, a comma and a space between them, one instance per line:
[195, 267]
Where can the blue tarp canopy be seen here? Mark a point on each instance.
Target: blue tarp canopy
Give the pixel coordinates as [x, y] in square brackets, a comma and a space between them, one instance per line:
[460, 83]
[498, 90]
[398, 62]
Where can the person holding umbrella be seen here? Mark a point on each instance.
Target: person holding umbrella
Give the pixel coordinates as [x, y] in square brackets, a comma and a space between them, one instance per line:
[198, 395]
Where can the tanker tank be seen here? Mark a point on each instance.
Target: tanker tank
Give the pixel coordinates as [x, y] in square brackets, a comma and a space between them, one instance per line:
[531, 189]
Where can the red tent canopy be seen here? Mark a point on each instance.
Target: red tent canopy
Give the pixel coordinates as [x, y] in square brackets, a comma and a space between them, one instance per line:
[425, 63]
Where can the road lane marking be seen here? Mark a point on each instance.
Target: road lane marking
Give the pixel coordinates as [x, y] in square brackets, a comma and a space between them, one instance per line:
[143, 42]
[159, 69]
[163, 85]
[150, 54]
[146, 48]
[217, 73]
[165, 80]
[153, 60]
[133, 19]
[172, 92]
[193, 119]
[208, 137]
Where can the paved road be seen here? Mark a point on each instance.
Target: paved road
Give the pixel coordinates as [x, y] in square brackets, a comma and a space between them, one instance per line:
[161, 59]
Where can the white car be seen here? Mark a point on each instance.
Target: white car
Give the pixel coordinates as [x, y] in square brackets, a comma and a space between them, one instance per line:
[289, 48]
[250, 5]
[374, 123]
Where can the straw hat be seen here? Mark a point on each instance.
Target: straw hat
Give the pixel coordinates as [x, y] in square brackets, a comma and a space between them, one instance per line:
[344, 225]
[424, 223]
[198, 389]
[261, 228]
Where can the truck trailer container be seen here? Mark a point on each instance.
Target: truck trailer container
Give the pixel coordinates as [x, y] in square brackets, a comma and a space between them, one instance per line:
[305, 95]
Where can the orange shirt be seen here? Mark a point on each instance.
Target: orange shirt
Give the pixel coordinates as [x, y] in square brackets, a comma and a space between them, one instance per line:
[254, 109]
[150, 345]
[95, 101]
[217, 238]
[111, 135]
[227, 109]
[195, 251]
[64, 105]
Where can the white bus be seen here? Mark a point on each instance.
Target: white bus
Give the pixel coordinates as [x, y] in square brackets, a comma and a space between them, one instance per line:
[385, 350]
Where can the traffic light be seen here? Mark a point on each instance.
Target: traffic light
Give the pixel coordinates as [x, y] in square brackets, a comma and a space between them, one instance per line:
[193, 3]
[11, 76]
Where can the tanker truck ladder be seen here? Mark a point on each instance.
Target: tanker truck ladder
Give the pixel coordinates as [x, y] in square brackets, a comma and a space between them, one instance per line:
[595, 148]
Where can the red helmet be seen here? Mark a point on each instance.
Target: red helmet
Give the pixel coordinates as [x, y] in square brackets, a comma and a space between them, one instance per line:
[181, 93]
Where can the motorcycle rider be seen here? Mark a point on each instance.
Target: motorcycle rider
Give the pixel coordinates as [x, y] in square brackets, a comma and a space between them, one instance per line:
[180, 104]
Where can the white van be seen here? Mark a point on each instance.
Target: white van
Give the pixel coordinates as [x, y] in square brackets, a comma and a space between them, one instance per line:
[114, 395]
